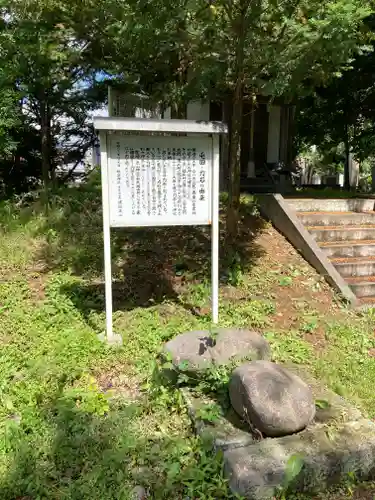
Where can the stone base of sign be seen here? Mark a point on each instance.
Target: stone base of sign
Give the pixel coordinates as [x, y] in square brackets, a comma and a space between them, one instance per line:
[225, 431]
[115, 340]
[329, 454]
[339, 441]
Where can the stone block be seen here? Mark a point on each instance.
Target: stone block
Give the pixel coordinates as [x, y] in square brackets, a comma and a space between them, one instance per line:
[199, 350]
[329, 454]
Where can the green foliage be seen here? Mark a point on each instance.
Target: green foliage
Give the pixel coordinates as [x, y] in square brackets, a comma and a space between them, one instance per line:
[340, 115]
[210, 413]
[53, 54]
[310, 325]
[234, 269]
[322, 404]
[9, 119]
[215, 380]
[290, 347]
[285, 281]
[293, 468]
[49, 87]
[230, 49]
[63, 427]
[284, 45]
[352, 364]
[253, 313]
[330, 193]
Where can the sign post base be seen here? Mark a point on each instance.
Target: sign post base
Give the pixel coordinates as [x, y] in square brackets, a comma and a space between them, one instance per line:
[114, 340]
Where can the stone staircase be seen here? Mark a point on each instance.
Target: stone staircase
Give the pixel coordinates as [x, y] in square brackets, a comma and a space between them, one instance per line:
[345, 231]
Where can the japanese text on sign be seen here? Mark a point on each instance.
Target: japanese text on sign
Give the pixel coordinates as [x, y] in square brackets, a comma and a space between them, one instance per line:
[159, 180]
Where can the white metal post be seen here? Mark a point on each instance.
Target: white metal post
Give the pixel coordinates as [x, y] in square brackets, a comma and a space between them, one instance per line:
[107, 237]
[215, 228]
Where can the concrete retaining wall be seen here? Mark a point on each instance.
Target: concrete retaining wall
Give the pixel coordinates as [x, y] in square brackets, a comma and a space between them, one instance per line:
[278, 210]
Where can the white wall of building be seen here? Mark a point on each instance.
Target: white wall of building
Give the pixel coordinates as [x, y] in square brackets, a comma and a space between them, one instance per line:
[353, 172]
[195, 110]
[198, 111]
[273, 148]
[167, 114]
[131, 105]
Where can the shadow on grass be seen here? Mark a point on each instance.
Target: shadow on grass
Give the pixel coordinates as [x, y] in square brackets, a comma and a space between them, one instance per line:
[72, 454]
[149, 265]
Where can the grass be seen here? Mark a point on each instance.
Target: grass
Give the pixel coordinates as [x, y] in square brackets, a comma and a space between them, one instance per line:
[79, 420]
[345, 365]
[66, 431]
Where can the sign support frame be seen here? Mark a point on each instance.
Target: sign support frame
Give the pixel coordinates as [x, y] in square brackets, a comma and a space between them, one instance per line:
[111, 337]
[212, 129]
[215, 232]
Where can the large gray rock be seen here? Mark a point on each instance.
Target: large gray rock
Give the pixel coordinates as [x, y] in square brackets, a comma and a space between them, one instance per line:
[192, 349]
[200, 349]
[271, 398]
[237, 344]
[329, 454]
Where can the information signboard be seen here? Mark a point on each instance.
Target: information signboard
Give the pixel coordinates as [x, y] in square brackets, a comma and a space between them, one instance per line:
[159, 173]
[160, 181]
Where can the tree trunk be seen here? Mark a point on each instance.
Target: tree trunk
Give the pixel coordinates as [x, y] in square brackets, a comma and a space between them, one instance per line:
[179, 107]
[235, 163]
[347, 159]
[45, 132]
[235, 134]
[226, 118]
[52, 165]
[179, 111]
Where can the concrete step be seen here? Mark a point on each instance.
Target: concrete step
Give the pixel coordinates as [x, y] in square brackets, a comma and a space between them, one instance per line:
[355, 266]
[366, 303]
[342, 233]
[336, 218]
[332, 205]
[354, 248]
[362, 286]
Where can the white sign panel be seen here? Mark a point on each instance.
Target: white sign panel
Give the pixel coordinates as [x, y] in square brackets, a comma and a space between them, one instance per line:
[159, 181]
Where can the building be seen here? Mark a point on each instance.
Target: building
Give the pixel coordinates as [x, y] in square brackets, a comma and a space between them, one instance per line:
[266, 133]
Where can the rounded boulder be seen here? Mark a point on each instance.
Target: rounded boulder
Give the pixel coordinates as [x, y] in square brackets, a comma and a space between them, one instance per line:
[271, 398]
